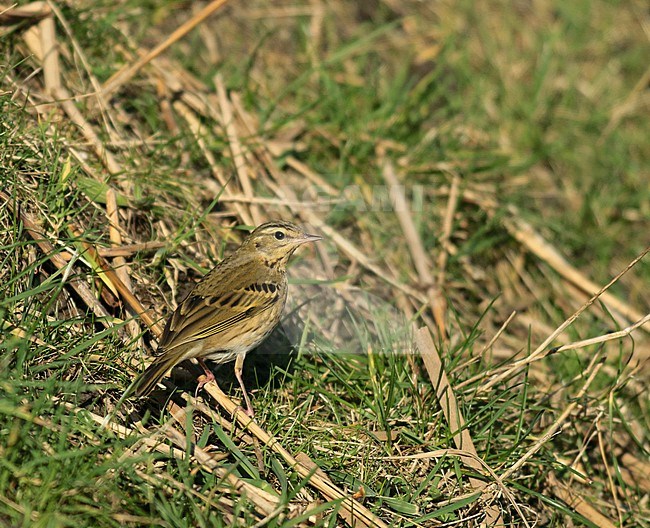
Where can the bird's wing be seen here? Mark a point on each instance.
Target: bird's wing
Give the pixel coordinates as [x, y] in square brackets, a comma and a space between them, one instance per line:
[202, 315]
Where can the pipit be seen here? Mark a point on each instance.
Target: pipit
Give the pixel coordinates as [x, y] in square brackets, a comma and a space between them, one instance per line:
[232, 309]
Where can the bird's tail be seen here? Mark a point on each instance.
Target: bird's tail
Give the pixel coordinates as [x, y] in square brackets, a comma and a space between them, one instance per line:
[147, 381]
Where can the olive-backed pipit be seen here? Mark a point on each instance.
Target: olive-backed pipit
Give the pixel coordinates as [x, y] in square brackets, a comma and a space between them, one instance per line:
[232, 309]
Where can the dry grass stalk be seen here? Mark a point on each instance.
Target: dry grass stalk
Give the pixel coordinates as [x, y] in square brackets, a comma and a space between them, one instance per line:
[213, 415]
[220, 503]
[542, 350]
[82, 289]
[69, 33]
[119, 262]
[594, 367]
[128, 72]
[496, 336]
[356, 511]
[196, 128]
[128, 250]
[51, 67]
[419, 256]
[447, 226]
[103, 154]
[264, 501]
[32, 12]
[33, 515]
[637, 96]
[476, 462]
[112, 280]
[235, 148]
[48, 48]
[453, 415]
[604, 338]
[533, 241]
[445, 395]
[608, 470]
[574, 500]
[311, 175]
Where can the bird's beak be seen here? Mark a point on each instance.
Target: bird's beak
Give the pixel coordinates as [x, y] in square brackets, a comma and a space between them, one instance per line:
[309, 238]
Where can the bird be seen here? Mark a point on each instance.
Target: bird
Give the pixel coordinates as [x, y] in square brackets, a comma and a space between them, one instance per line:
[232, 309]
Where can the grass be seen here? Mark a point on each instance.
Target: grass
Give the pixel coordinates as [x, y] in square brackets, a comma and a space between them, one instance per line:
[533, 116]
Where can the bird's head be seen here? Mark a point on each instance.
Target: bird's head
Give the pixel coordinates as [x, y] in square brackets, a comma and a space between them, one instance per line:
[276, 241]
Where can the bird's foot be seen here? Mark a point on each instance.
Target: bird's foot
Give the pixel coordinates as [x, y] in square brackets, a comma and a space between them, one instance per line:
[203, 379]
[248, 411]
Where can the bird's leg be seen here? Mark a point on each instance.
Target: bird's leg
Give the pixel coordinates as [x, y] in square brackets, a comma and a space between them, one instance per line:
[203, 380]
[239, 364]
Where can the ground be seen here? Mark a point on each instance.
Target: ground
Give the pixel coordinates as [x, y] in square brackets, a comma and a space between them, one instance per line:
[480, 174]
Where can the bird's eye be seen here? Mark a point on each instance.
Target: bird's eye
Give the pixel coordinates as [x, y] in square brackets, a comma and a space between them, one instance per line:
[279, 235]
